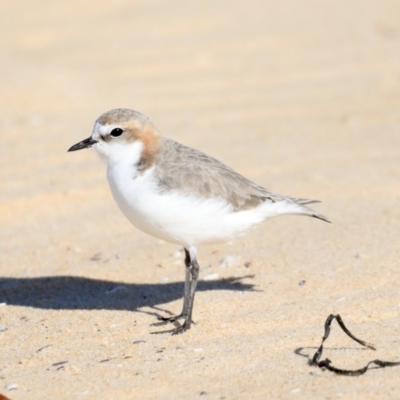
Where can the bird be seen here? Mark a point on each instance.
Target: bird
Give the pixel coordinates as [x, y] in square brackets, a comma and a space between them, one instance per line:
[179, 194]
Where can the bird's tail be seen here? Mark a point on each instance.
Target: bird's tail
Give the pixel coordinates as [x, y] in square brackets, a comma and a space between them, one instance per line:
[311, 213]
[303, 210]
[293, 206]
[302, 201]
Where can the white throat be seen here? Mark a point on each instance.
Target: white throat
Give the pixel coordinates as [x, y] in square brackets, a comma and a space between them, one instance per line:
[115, 152]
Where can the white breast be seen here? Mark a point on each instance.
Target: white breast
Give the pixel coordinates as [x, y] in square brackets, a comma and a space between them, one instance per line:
[175, 217]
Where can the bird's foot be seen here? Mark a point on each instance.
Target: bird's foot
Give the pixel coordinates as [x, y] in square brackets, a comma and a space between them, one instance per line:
[172, 319]
[179, 329]
[183, 328]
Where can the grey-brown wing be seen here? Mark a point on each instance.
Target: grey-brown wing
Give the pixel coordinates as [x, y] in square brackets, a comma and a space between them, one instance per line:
[179, 167]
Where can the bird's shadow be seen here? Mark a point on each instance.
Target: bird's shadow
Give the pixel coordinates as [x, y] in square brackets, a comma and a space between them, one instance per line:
[79, 293]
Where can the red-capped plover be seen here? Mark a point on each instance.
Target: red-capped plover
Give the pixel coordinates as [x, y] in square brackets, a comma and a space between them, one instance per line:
[179, 194]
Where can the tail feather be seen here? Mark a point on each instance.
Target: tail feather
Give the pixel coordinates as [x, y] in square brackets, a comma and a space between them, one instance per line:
[303, 201]
[310, 212]
[306, 210]
[318, 215]
[292, 206]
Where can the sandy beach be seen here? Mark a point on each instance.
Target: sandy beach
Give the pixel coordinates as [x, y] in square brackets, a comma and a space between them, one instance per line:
[301, 97]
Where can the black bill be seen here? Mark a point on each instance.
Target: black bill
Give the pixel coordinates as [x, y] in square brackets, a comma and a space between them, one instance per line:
[83, 145]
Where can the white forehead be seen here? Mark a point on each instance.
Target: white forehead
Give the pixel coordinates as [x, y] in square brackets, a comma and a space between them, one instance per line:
[101, 130]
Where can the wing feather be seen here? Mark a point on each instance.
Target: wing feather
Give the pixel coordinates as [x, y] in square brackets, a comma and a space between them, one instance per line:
[179, 167]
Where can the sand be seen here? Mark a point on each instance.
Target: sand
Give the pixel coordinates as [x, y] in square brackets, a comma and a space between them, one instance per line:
[300, 96]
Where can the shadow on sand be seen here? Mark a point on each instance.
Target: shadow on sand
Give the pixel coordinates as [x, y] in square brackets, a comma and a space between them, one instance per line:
[79, 293]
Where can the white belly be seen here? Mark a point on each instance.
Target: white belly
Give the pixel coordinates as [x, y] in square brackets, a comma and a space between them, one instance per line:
[175, 217]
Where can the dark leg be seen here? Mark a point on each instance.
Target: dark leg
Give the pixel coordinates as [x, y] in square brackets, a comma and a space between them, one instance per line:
[189, 305]
[191, 278]
[186, 293]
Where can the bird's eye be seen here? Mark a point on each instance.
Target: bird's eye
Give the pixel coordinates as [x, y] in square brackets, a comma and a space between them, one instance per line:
[116, 132]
